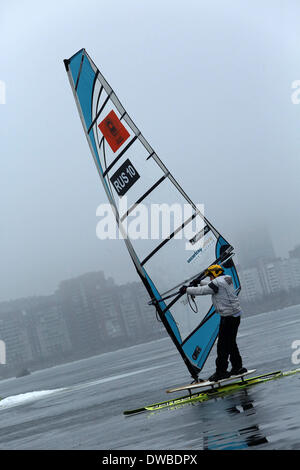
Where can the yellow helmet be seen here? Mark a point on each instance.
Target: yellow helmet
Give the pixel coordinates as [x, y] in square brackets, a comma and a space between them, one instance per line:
[214, 270]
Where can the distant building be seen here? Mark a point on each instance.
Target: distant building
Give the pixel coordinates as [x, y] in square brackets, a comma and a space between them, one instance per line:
[101, 315]
[15, 336]
[89, 311]
[47, 329]
[113, 323]
[270, 277]
[251, 284]
[140, 318]
[129, 311]
[34, 332]
[86, 315]
[290, 273]
[295, 268]
[151, 323]
[255, 245]
[295, 253]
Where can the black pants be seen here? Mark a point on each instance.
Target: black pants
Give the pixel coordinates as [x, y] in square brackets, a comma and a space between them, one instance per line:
[227, 347]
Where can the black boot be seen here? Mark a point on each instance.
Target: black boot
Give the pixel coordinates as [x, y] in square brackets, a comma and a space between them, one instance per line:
[241, 370]
[219, 376]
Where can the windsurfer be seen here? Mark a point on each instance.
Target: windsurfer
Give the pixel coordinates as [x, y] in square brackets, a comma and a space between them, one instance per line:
[226, 303]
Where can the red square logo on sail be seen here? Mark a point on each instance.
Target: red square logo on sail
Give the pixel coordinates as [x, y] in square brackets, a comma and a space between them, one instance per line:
[114, 131]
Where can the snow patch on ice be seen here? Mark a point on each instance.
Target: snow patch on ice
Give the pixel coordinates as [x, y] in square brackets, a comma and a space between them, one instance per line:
[24, 398]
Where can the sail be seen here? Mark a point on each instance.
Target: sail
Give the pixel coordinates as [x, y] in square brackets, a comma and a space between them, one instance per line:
[130, 168]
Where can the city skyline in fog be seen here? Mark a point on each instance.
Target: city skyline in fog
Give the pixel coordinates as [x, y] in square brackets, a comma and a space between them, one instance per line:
[208, 84]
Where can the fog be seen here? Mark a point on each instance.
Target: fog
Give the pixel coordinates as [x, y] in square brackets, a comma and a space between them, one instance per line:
[209, 83]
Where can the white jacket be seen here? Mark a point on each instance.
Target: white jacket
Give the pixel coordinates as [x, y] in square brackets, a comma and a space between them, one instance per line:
[223, 295]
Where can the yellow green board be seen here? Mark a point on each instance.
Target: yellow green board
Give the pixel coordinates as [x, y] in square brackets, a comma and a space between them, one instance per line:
[212, 392]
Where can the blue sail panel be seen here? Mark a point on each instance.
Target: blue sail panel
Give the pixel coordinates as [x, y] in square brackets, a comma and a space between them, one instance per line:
[198, 346]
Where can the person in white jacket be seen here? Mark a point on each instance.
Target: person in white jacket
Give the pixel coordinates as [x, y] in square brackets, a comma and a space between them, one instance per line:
[226, 303]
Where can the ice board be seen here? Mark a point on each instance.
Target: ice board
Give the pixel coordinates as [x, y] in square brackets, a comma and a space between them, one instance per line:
[207, 383]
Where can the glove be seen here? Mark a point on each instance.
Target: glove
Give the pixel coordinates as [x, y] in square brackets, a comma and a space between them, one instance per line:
[182, 290]
[194, 283]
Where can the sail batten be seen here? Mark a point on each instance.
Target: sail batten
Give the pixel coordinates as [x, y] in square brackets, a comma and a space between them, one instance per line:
[128, 166]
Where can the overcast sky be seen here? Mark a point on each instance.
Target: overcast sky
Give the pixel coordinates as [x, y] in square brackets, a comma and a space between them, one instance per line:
[209, 83]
